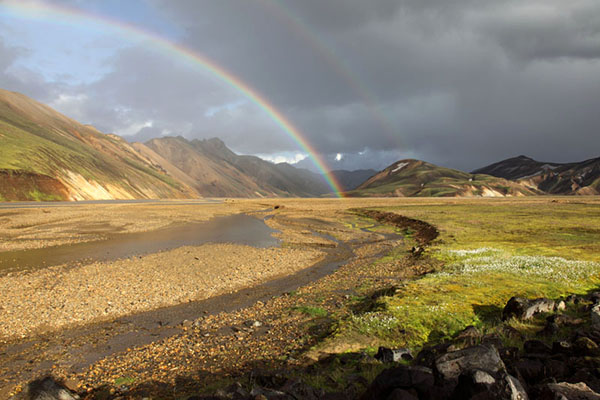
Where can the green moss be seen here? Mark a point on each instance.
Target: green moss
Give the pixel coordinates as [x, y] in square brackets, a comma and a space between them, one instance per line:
[124, 380]
[36, 195]
[491, 251]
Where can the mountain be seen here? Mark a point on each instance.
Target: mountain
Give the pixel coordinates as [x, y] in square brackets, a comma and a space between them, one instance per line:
[350, 180]
[552, 178]
[45, 155]
[418, 178]
[218, 171]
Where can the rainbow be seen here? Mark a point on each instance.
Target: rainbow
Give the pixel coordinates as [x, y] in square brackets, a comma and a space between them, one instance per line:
[72, 16]
[302, 30]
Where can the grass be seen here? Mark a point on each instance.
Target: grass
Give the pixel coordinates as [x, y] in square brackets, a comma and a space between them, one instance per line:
[312, 311]
[491, 251]
[124, 380]
[36, 195]
[51, 147]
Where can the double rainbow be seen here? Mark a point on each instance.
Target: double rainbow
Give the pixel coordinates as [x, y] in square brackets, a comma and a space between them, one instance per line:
[73, 16]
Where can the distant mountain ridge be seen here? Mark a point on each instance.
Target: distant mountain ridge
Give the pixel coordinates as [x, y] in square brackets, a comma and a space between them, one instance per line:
[45, 155]
[415, 178]
[350, 180]
[553, 178]
[218, 171]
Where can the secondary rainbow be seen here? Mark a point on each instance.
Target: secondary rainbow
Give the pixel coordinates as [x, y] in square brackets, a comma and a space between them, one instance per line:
[73, 16]
[295, 24]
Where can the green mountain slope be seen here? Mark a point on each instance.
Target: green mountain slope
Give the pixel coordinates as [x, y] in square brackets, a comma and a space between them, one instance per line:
[422, 179]
[45, 155]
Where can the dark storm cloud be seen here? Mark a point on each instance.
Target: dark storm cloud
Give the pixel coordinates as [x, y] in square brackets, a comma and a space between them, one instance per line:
[461, 83]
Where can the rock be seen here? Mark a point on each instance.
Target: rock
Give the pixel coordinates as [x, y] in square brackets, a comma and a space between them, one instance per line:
[482, 378]
[386, 355]
[595, 297]
[337, 396]
[560, 306]
[512, 333]
[583, 374]
[515, 389]
[509, 354]
[595, 315]
[419, 379]
[427, 355]
[564, 320]
[401, 394]
[572, 299]
[562, 347]
[469, 332]
[585, 346]
[237, 391]
[556, 369]
[567, 391]
[492, 340]
[450, 365]
[270, 394]
[521, 308]
[253, 324]
[531, 370]
[300, 390]
[48, 389]
[550, 329]
[481, 385]
[536, 347]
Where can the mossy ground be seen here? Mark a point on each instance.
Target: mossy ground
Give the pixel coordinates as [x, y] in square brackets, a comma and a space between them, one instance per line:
[490, 251]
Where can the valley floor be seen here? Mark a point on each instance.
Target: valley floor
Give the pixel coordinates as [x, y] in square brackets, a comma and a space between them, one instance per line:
[345, 282]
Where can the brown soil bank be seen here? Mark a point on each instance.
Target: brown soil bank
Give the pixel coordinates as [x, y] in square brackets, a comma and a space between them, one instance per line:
[23, 186]
[424, 233]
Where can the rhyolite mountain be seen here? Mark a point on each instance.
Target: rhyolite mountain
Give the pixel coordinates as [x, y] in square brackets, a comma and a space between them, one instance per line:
[45, 155]
[418, 178]
[552, 178]
[217, 171]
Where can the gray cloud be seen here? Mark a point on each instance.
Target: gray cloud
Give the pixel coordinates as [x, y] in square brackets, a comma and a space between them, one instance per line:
[461, 83]
[21, 79]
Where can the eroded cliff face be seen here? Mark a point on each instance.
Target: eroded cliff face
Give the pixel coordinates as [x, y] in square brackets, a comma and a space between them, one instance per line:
[21, 185]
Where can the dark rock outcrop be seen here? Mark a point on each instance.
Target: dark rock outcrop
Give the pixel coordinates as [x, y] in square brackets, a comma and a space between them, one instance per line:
[451, 365]
[520, 308]
[47, 388]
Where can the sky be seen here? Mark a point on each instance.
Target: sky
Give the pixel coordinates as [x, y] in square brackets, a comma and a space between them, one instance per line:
[459, 83]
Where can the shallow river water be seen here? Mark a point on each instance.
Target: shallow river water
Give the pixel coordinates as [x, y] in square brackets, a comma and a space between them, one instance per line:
[238, 229]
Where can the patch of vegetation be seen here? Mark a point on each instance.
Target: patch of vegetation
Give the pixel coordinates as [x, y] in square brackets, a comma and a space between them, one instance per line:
[474, 292]
[124, 380]
[332, 374]
[36, 195]
[312, 311]
[491, 251]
